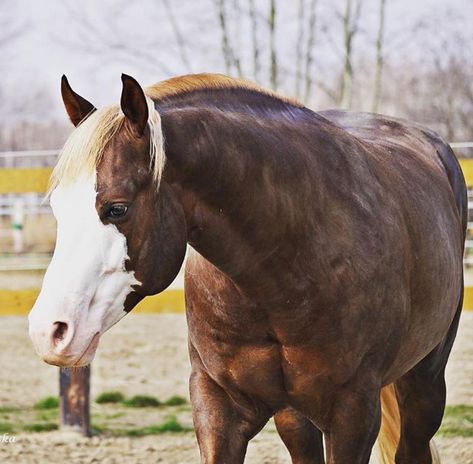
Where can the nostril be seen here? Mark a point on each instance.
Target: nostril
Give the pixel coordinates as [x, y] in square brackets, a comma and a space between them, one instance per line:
[59, 332]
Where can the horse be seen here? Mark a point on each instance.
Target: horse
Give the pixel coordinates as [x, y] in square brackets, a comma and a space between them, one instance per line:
[325, 282]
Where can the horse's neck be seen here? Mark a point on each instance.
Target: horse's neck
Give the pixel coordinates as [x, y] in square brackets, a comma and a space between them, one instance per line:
[244, 201]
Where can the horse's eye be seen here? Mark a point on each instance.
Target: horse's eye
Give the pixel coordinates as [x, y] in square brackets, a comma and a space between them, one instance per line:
[117, 211]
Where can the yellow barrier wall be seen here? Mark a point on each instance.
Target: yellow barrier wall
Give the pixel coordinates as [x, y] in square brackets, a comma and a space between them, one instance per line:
[24, 180]
[35, 180]
[467, 168]
[19, 302]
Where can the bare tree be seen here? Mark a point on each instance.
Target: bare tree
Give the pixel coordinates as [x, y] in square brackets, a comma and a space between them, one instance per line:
[178, 35]
[273, 63]
[229, 55]
[106, 39]
[254, 40]
[299, 46]
[437, 92]
[237, 23]
[379, 58]
[350, 20]
[449, 97]
[310, 51]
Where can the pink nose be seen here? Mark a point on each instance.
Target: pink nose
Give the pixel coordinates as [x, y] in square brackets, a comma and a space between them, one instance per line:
[63, 342]
[53, 342]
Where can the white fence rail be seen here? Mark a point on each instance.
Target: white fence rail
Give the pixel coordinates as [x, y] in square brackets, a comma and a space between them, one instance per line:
[27, 154]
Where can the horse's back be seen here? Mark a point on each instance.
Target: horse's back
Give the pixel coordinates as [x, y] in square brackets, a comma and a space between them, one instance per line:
[390, 133]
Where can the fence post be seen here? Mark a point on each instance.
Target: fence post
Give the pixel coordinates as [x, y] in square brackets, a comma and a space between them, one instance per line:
[74, 391]
[17, 222]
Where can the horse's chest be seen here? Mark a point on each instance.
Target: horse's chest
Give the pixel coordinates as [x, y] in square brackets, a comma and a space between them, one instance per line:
[252, 369]
[267, 371]
[241, 346]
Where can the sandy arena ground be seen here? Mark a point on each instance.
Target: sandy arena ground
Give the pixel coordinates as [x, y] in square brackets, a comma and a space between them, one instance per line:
[147, 354]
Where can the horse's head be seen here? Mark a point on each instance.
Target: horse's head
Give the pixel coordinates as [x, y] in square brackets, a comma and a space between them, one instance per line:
[120, 227]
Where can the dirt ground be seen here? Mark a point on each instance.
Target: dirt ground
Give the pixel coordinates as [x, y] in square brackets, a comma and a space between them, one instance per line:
[147, 354]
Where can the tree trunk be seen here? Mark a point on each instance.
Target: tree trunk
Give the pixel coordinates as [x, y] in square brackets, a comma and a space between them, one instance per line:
[299, 48]
[379, 59]
[254, 39]
[350, 28]
[310, 51]
[177, 34]
[229, 55]
[345, 90]
[272, 46]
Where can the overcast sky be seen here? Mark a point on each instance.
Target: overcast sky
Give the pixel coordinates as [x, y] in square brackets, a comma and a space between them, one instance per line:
[53, 41]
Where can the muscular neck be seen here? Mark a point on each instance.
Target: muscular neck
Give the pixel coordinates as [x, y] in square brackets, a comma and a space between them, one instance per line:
[243, 198]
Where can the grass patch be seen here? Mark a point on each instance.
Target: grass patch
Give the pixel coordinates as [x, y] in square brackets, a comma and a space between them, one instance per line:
[175, 401]
[139, 401]
[115, 415]
[457, 421]
[97, 429]
[171, 425]
[110, 397]
[142, 401]
[50, 402]
[9, 409]
[47, 415]
[466, 432]
[459, 410]
[6, 427]
[41, 427]
[106, 416]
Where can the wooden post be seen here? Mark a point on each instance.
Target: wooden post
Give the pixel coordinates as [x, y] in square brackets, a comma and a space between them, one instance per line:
[74, 390]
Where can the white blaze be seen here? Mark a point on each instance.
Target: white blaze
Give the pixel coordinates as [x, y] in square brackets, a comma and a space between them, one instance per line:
[86, 284]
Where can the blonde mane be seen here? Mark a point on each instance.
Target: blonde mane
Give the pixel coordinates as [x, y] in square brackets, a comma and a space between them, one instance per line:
[191, 82]
[84, 148]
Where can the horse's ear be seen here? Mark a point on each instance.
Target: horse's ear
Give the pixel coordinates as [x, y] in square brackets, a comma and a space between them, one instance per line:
[77, 107]
[134, 105]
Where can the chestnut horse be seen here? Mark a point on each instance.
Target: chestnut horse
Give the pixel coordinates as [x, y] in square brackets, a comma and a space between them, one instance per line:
[325, 283]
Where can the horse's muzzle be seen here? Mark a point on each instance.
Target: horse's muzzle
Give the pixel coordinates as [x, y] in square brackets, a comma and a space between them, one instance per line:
[58, 344]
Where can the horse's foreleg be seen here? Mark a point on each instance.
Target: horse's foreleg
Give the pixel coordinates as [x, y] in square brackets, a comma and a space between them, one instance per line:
[223, 426]
[354, 425]
[302, 439]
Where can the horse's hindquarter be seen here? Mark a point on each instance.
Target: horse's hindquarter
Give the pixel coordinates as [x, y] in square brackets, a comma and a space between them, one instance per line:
[409, 170]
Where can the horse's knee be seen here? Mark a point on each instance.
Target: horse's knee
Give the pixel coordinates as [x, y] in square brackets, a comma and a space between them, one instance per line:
[302, 439]
[354, 425]
[223, 426]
